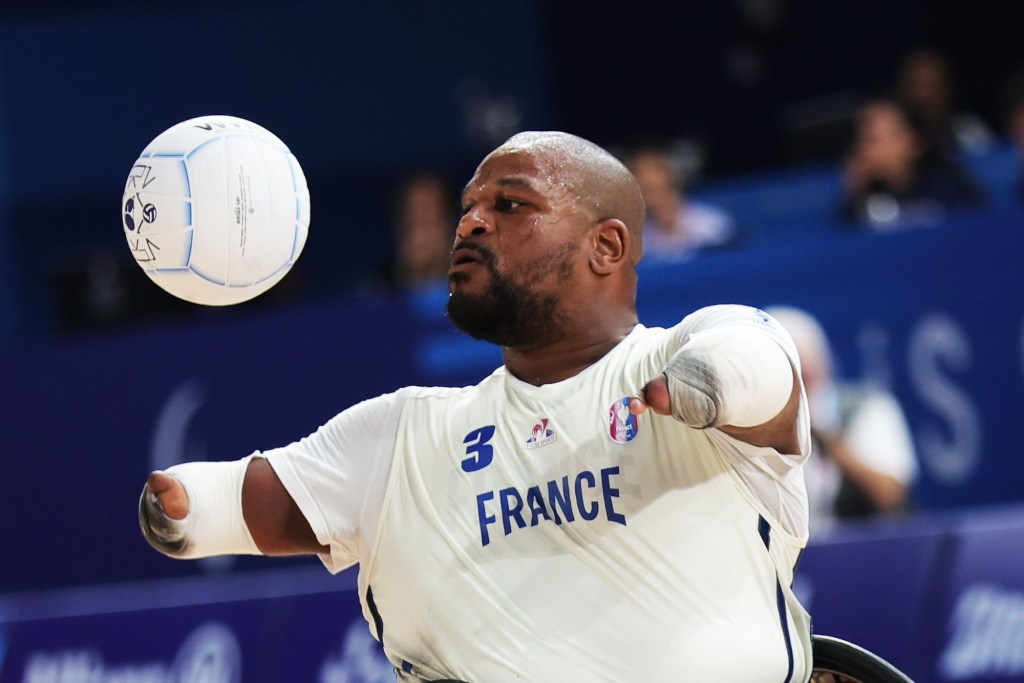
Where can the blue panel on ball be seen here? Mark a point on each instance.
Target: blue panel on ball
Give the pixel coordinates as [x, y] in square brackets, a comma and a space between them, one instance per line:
[207, 277]
[188, 186]
[199, 147]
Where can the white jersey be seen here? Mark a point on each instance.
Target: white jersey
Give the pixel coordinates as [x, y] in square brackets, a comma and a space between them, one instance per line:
[509, 532]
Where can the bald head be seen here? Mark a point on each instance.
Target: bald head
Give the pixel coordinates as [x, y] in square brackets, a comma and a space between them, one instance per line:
[598, 182]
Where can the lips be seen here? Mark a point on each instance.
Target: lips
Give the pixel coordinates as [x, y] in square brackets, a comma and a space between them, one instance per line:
[464, 255]
[467, 255]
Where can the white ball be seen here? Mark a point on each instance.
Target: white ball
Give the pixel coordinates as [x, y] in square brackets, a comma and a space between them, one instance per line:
[216, 210]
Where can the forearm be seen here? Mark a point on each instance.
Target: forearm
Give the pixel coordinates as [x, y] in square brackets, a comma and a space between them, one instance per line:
[737, 379]
[729, 376]
[233, 508]
[214, 523]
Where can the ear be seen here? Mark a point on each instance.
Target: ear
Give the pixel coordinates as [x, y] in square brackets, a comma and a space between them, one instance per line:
[610, 243]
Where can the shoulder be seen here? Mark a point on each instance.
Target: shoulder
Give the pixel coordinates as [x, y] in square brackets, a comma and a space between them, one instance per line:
[643, 339]
[440, 399]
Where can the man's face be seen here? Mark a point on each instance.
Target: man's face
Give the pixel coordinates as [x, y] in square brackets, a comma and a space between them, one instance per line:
[516, 250]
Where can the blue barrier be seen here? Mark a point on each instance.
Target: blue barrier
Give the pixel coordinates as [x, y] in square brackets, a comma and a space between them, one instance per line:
[278, 626]
[941, 597]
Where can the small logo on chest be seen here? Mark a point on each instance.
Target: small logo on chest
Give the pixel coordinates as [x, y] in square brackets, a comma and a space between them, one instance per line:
[541, 435]
[622, 424]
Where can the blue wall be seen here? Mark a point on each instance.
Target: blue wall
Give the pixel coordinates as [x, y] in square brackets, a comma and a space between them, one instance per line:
[936, 314]
[361, 92]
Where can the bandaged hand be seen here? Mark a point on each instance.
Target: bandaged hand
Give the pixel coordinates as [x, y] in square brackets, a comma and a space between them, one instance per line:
[163, 511]
[195, 510]
[731, 375]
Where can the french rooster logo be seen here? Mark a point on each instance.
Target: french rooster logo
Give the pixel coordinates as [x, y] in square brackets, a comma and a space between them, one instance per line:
[541, 435]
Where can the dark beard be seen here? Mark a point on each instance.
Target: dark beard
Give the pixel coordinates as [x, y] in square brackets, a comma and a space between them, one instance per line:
[508, 312]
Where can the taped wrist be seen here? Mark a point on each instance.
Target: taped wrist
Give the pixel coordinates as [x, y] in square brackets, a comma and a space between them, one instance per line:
[730, 375]
[214, 524]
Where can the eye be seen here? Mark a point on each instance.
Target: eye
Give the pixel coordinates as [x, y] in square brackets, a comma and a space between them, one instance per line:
[506, 204]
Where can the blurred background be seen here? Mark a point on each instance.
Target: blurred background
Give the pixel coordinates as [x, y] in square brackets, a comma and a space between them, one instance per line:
[858, 160]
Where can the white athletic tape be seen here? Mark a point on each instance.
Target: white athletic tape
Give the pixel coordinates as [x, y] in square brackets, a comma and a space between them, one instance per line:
[214, 524]
[729, 375]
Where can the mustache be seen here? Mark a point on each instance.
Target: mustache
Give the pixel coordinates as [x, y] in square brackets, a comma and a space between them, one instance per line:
[486, 254]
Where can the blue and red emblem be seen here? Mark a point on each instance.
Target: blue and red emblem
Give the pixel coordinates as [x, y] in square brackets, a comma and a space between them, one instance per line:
[622, 424]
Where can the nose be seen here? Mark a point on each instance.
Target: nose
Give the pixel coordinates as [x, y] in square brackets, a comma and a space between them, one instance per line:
[472, 224]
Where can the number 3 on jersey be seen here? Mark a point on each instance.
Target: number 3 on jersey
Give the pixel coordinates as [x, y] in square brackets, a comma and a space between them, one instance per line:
[479, 451]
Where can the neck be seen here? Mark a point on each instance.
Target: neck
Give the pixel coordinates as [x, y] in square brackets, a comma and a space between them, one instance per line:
[568, 355]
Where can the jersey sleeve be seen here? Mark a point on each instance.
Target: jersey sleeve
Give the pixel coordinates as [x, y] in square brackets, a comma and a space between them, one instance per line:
[337, 475]
[775, 479]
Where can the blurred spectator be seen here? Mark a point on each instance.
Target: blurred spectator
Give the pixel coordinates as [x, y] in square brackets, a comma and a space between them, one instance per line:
[1013, 94]
[423, 230]
[897, 176]
[926, 87]
[105, 289]
[676, 226]
[862, 460]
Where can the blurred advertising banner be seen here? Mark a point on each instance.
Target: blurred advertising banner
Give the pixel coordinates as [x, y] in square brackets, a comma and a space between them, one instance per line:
[285, 626]
[935, 314]
[941, 597]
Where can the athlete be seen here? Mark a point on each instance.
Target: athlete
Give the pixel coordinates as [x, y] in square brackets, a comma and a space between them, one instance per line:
[614, 503]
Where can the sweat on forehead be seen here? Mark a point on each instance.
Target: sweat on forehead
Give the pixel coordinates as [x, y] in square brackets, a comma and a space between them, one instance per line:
[566, 148]
[593, 176]
[568, 160]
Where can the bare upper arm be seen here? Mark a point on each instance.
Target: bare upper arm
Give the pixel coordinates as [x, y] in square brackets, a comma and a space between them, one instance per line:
[277, 525]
